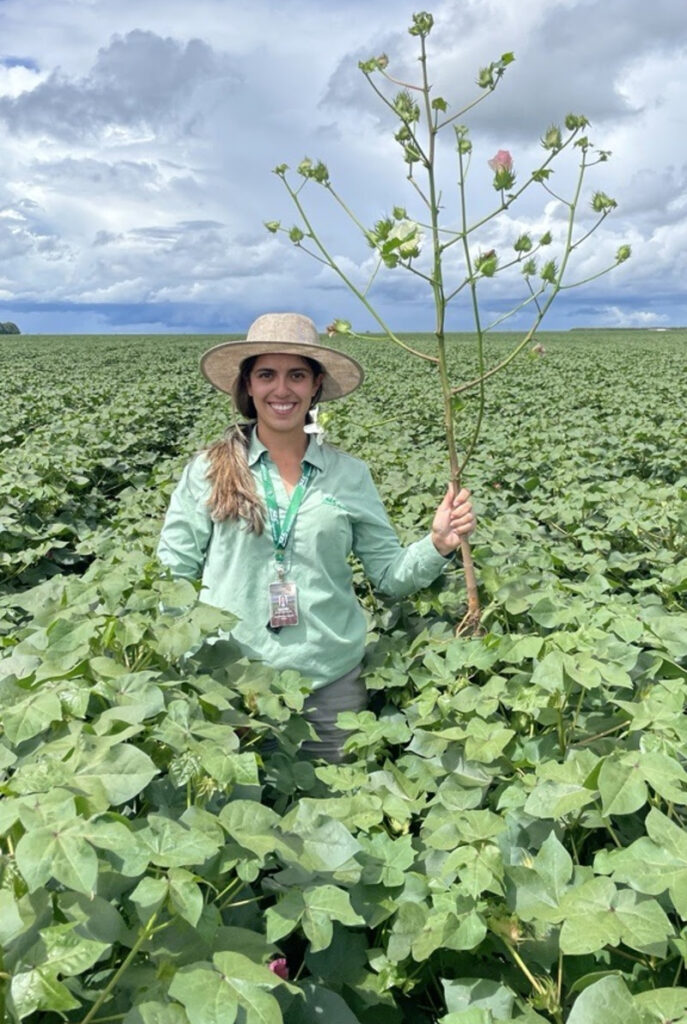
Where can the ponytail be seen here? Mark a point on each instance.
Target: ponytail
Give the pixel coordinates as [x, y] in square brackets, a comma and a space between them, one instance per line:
[233, 494]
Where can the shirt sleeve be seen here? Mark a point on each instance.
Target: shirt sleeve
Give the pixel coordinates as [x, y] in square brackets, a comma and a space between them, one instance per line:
[393, 569]
[187, 527]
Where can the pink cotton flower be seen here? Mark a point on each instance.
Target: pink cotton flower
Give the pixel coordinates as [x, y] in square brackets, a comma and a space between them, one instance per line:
[503, 161]
[280, 968]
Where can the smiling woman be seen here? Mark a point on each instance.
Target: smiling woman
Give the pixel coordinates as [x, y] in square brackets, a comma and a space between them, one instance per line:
[268, 516]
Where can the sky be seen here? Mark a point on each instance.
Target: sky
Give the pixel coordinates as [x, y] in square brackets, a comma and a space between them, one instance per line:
[139, 141]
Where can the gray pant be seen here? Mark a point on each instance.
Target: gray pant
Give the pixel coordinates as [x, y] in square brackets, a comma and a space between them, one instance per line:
[321, 707]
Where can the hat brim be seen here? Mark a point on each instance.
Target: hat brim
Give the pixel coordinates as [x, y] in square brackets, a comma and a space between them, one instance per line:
[221, 364]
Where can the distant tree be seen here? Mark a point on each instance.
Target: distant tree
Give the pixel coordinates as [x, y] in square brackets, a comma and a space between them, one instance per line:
[9, 328]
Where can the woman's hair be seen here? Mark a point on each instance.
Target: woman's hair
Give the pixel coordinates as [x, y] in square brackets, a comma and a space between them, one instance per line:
[233, 494]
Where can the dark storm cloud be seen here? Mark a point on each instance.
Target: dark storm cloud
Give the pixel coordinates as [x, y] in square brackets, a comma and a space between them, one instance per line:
[139, 80]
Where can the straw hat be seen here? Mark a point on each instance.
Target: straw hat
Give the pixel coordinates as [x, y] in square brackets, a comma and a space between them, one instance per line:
[282, 332]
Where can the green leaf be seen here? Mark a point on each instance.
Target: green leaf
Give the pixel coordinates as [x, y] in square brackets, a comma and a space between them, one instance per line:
[31, 716]
[663, 1004]
[644, 925]
[151, 1012]
[606, 1002]
[318, 1004]
[385, 859]
[324, 904]
[590, 921]
[621, 784]
[60, 852]
[111, 775]
[149, 895]
[185, 895]
[11, 921]
[550, 799]
[61, 950]
[479, 993]
[252, 826]
[213, 993]
[36, 990]
[408, 923]
[173, 845]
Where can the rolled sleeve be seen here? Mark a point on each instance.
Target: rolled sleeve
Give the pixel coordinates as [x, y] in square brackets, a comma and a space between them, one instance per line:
[187, 527]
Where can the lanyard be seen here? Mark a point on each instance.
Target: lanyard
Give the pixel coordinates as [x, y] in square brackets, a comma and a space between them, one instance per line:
[281, 531]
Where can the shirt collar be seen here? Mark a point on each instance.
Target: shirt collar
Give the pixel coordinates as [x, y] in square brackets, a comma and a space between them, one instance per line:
[313, 453]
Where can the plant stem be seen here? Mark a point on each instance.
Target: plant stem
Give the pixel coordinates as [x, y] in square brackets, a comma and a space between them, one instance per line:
[144, 934]
[470, 622]
[536, 985]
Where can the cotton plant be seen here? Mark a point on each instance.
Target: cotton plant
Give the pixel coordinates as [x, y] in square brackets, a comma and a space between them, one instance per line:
[425, 246]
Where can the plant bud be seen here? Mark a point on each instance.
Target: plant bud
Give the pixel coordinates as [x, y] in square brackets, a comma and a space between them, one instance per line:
[486, 263]
[338, 327]
[523, 243]
[406, 107]
[296, 235]
[552, 138]
[601, 203]
[273, 225]
[422, 24]
[575, 121]
[623, 253]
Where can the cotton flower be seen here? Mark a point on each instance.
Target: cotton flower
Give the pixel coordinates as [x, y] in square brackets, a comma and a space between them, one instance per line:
[280, 968]
[503, 161]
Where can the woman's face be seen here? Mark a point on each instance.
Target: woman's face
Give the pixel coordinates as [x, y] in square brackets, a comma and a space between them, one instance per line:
[282, 387]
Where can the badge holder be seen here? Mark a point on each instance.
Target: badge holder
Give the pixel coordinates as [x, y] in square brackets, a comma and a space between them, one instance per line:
[283, 599]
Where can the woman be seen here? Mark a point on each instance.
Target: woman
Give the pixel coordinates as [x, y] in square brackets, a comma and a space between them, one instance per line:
[269, 515]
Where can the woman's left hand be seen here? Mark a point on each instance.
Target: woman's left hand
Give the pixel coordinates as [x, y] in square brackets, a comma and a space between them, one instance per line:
[454, 519]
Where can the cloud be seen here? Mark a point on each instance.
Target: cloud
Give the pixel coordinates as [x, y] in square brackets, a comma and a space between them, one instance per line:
[139, 81]
[138, 143]
[614, 316]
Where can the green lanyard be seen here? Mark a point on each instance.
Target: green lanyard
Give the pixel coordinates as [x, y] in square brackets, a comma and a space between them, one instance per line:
[281, 532]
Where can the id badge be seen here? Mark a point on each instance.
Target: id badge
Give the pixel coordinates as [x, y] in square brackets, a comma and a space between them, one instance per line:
[283, 604]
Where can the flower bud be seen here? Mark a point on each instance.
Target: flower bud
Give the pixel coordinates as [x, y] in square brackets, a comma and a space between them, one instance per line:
[575, 121]
[318, 172]
[296, 235]
[373, 64]
[623, 253]
[281, 169]
[549, 271]
[601, 203]
[552, 138]
[545, 238]
[338, 327]
[485, 77]
[523, 243]
[280, 967]
[406, 107]
[422, 24]
[503, 161]
[486, 263]
[529, 268]
[273, 225]
[502, 166]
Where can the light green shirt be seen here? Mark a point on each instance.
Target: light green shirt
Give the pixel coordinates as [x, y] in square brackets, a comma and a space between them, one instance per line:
[340, 513]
